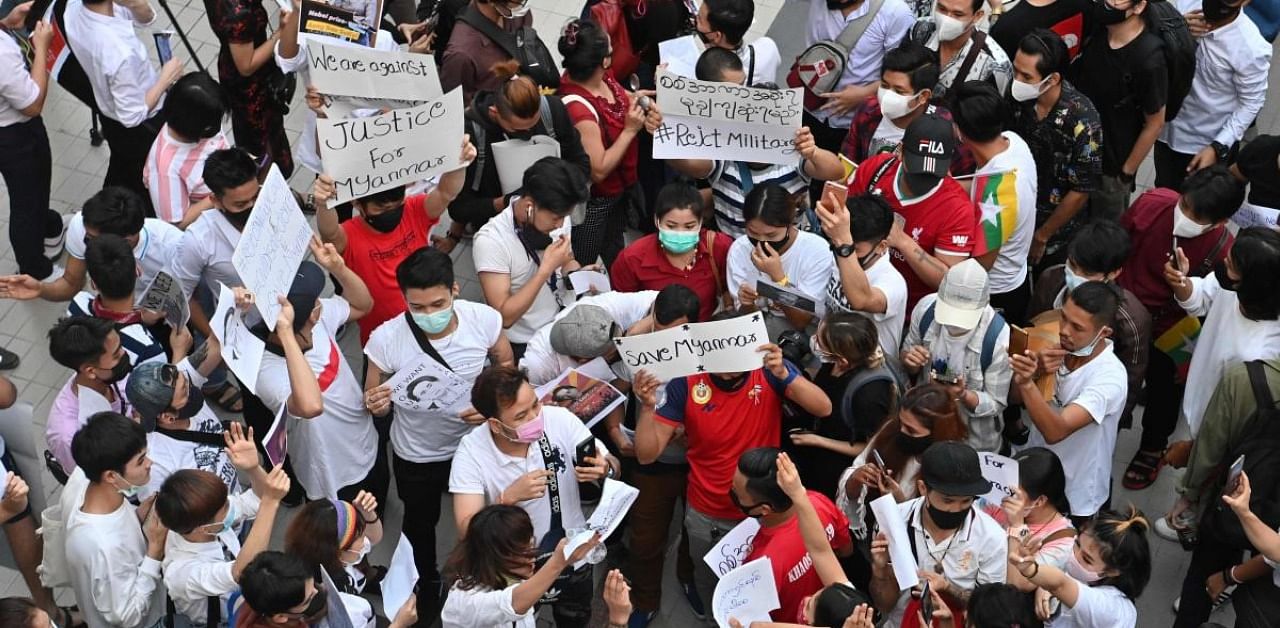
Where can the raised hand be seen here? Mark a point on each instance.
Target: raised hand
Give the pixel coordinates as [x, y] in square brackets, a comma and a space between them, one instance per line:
[789, 478]
[367, 504]
[327, 256]
[617, 597]
[645, 386]
[240, 449]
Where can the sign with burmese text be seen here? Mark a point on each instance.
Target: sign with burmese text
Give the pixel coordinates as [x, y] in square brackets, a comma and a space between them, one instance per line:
[706, 120]
[368, 155]
[344, 70]
[728, 346]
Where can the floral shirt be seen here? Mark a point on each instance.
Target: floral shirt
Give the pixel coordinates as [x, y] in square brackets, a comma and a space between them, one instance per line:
[1067, 146]
[867, 119]
[991, 64]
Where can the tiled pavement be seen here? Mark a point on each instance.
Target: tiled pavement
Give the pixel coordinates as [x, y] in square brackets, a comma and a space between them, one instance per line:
[79, 168]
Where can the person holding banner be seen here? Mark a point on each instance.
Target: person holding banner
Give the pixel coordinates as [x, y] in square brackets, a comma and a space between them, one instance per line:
[458, 335]
[1039, 511]
[723, 415]
[609, 119]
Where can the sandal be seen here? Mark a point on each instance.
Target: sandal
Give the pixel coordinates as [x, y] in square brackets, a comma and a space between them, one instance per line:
[1143, 469]
[227, 397]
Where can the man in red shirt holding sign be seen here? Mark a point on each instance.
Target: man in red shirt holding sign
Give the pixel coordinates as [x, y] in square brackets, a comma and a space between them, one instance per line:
[936, 221]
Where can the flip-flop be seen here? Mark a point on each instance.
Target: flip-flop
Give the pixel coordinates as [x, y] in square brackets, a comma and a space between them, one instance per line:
[1143, 470]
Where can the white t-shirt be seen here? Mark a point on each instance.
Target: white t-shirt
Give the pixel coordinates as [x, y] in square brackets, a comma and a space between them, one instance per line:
[433, 436]
[1097, 607]
[194, 572]
[883, 276]
[115, 61]
[115, 582]
[807, 263]
[542, 364]
[1010, 268]
[170, 454]
[764, 53]
[886, 137]
[1226, 338]
[157, 246]
[498, 249]
[337, 448]
[484, 608]
[1100, 387]
[204, 254]
[480, 468]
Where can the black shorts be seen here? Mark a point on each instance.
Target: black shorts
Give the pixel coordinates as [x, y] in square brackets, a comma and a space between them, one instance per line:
[11, 465]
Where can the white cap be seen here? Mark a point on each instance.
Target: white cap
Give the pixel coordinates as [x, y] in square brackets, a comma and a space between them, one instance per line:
[963, 295]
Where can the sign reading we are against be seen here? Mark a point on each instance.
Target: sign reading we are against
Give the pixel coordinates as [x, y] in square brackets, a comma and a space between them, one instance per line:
[345, 70]
[367, 155]
[727, 102]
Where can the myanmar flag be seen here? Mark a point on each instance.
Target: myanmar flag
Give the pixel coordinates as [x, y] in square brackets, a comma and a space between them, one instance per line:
[996, 194]
[1179, 342]
[850, 169]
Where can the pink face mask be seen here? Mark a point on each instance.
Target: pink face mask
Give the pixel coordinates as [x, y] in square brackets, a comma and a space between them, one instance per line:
[1079, 572]
[528, 432]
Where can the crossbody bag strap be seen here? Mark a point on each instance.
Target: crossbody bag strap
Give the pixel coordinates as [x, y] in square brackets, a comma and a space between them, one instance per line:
[751, 66]
[1258, 381]
[853, 32]
[505, 40]
[975, 48]
[879, 173]
[423, 342]
[1058, 536]
[553, 483]
[1206, 265]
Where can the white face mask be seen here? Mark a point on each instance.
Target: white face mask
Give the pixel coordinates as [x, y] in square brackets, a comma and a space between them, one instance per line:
[1184, 227]
[1022, 92]
[1086, 350]
[894, 105]
[1073, 280]
[365, 548]
[518, 11]
[949, 27]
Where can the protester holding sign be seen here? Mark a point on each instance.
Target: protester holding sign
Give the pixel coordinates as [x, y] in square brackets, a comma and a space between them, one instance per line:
[1039, 511]
[723, 415]
[337, 535]
[460, 336]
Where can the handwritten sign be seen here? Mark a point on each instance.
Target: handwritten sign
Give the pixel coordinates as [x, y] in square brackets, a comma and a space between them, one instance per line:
[706, 120]
[402, 575]
[164, 294]
[427, 386]
[728, 102]
[689, 138]
[615, 501]
[1003, 474]
[338, 70]
[733, 547]
[1250, 215]
[272, 246]
[368, 155]
[276, 443]
[241, 350]
[728, 346]
[746, 594]
[589, 398]
[894, 527]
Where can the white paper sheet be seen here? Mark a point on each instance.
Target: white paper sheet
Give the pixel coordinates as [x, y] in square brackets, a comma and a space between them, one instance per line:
[894, 527]
[728, 346]
[241, 350]
[729, 102]
[681, 54]
[588, 280]
[591, 398]
[164, 294]
[512, 157]
[615, 501]
[1250, 215]
[733, 547]
[746, 594]
[402, 574]
[272, 246]
[427, 386]
[1003, 474]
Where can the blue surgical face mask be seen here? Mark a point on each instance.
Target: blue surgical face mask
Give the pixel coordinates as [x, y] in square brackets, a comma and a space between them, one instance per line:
[1084, 351]
[227, 522]
[435, 322]
[130, 491]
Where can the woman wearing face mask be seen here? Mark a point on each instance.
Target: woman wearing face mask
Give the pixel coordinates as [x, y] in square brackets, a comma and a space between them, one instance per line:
[338, 536]
[609, 119]
[926, 414]
[205, 558]
[862, 389]
[682, 251]
[1240, 304]
[1105, 572]
[495, 582]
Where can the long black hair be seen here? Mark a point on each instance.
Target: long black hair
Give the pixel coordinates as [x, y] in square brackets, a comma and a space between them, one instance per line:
[1040, 473]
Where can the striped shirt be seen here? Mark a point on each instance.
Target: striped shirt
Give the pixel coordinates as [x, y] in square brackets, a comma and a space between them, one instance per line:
[729, 192]
[174, 173]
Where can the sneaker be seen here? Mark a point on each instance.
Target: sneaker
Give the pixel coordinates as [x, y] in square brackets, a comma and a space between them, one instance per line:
[1164, 530]
[640, 619]
[58, 271]
[695, 602]
[55, 245]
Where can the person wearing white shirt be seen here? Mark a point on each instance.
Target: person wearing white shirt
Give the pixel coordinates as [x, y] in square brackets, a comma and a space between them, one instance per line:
[525, 454]
[980, 113]
[114, 273]
[956, 546]
[724, 23]
[865, 280]
[279, 589]
[116, 211]
[113, 549]
[956, 31]
[1081, 420]
[465, 336]
[1240, 306]
[126, 88]
[861, 76]
[1233, 63]
[774, 250]
[203, 556]
[522, 254]
[332, 441]
[585, 330]
[26, 162]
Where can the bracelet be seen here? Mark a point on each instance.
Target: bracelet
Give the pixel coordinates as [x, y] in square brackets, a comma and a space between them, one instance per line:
[1228, 575]
[613, 625]
[369, 523]
[1034, 573]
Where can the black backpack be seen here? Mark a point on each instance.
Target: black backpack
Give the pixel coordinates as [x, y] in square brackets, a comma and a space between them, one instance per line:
[1179, 48]
[1261, 451]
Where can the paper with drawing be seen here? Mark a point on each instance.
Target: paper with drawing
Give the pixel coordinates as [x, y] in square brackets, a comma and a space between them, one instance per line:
[427, 386]
[241, 350]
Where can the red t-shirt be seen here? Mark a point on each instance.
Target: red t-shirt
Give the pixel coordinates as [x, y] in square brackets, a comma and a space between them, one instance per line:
[1149, 222]
[945, 221]
[373, 256]
[793, 571]
[644, 266]
[721, 426]
[612, 119]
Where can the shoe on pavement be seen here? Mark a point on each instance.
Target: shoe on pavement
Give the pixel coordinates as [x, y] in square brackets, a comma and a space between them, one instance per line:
[8, 360]
[640, 619]
[1177, 601]
[58, 272]
[695, 602]
[55, 245]
[1164, 530]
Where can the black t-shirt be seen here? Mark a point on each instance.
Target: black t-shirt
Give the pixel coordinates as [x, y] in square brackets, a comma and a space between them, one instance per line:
[1125, 85]
[1064, 17]
[1258, 162]
[821, 468]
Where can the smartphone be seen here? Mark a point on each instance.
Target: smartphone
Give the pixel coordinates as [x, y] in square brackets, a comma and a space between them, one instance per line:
[879, 460]
[585, 449]
[1233, 476]
[37, 12]
[926, 603]
[164, 47]
[1018, 339]
[841, 192]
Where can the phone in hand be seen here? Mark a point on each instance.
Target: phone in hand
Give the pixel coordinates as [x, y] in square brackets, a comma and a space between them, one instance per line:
[926, 603]
[879, 460]
[841, 192]
[1233, 476]
[585, 449]
[164, 47]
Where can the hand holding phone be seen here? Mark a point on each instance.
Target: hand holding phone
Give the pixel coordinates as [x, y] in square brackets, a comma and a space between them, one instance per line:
[585, 449]
[926, 603]
[839, 191]
[1233, 476]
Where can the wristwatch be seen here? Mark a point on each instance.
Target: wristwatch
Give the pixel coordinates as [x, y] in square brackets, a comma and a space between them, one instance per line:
[1220, 150]
[842, 250]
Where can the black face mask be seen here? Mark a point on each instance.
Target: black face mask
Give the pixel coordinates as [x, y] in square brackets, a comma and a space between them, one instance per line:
[705, 37]
[237, 219]
[387, 221]
[945, 519]
[526, 134]
[1224, 280]
[195, 402]
[776, 246]
[317, 608]
[1107, 15]
[120, 371]
[745, 508]
[729, 384]
[912, 445]
[1216, 11]
[536, 240]
[868, 259]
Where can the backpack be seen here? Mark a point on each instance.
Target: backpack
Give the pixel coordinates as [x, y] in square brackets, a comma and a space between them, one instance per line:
[523, 45]
[1179, 49]
[821, 65]
[53, 569]
[887, 372]
[988, 340]
[1261, 451]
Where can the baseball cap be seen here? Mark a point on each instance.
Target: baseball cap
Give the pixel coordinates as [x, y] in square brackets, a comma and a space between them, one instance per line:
[586, 331]
[150, 390]
[952, 468]
[963, 295]
[928, 145]
[305, 290]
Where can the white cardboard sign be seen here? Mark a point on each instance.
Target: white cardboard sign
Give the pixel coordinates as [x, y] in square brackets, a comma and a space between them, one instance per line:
[728, 346]
[729, 102]
[746, 594]
[615, 501]
[241, 350]
[733, 547]
[512, 157]
[1003, 474]
[427, 386]
[338, 70]
[889, 518]
[684, 137]
[272, 246]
